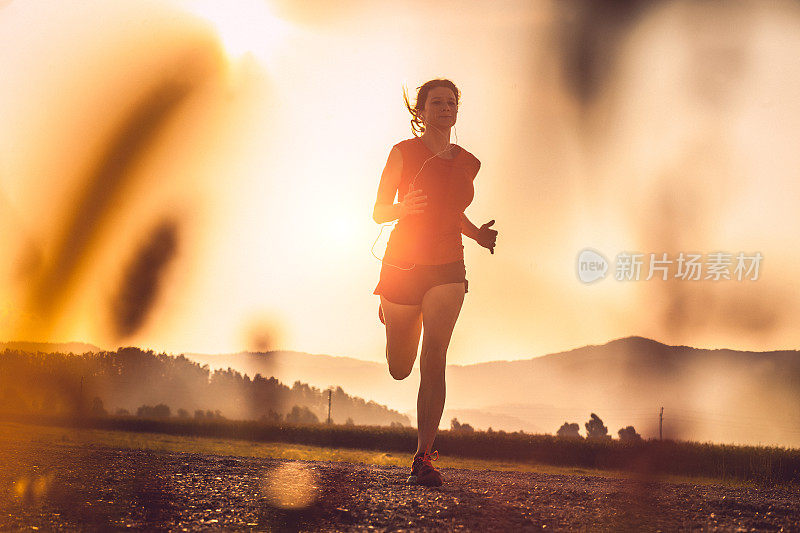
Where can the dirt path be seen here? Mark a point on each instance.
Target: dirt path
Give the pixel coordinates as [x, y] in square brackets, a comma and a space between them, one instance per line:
[76, 487]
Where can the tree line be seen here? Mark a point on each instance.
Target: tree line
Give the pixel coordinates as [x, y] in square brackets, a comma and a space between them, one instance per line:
[131, 380]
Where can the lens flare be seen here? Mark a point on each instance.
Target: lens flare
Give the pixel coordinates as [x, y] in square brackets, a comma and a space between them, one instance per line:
[243, 26]
[291, 486]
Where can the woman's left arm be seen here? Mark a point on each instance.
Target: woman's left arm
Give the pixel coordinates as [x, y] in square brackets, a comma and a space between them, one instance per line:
[468, 228]
[485, 235]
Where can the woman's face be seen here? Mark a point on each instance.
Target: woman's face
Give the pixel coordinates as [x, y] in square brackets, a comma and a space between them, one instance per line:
[440, 108]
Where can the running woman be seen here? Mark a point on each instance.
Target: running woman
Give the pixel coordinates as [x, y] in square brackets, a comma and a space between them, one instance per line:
[423, 276]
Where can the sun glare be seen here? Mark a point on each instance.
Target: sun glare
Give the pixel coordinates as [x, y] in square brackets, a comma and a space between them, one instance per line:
[244, 26]
[342, 229]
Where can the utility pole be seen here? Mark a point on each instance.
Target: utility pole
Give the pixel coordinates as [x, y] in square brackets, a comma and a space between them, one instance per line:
[660, 422]
[80, 398]
[329, 406]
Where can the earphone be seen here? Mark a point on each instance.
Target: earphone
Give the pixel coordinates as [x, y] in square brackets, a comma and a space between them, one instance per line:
[410, 188]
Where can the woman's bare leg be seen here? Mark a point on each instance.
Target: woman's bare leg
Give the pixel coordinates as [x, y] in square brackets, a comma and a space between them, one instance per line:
[403, 328]
[440, 308]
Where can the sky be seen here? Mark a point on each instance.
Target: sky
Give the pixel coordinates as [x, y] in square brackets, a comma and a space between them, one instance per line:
[189, 177]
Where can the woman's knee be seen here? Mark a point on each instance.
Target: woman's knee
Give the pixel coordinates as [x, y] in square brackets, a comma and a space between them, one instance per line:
[400, 369]
[401, 357]
[401, 352]
[399, 373]
[403, 329]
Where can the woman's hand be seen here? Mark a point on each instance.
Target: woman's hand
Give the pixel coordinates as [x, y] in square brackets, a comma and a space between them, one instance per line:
[413, 203]
[486, 236]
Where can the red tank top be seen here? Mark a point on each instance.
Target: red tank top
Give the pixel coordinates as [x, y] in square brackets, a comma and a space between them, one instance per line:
[434, 236]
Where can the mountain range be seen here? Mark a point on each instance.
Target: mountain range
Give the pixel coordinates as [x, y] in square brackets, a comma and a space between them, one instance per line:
[717, 395]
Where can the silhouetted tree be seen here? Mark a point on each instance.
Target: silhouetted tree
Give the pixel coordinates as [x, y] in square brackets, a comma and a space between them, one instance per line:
[349, 422]
[122, 412]
[301, 415]
[455, 425]
[628, 434]
[595, 429]
[569, 431]
[183, 413]
[97, 407]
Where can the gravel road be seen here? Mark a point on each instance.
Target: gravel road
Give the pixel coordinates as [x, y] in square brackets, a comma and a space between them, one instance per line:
[51, 486]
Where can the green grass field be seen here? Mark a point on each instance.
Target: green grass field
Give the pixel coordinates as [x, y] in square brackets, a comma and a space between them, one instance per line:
[17, 432]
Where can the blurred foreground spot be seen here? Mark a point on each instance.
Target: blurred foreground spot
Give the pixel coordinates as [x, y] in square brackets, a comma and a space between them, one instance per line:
[140, 285]
[290, 486]
[261, 334]
[103, 190]
[33, 489]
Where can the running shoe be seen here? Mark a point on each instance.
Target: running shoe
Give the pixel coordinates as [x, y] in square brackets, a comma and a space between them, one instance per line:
[423, 472]
[380, 314]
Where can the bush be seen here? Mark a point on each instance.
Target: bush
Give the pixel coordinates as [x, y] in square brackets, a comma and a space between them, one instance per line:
[301, 415]
[159, 411]
[271, 416]
[628, 434]
[569, 431]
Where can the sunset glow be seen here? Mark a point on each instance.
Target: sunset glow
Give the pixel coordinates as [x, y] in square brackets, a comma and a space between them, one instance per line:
[269, 161]
[244, 26]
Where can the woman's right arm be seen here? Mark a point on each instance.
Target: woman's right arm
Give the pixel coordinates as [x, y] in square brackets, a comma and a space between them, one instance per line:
[385, 209]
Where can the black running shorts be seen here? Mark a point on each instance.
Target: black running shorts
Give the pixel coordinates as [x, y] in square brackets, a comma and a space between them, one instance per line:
[409, 286]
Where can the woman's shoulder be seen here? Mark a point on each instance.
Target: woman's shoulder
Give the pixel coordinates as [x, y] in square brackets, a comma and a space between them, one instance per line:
[469, 156]
[469, 159]
[410, 150]
[406, 144]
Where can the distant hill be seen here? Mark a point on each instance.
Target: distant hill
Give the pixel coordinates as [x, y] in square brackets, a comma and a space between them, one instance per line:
[716, 395]
[50, 347]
